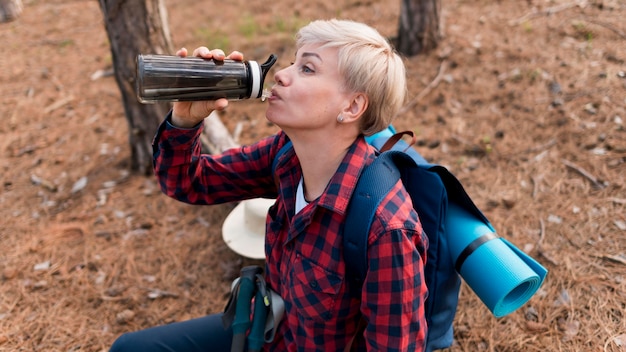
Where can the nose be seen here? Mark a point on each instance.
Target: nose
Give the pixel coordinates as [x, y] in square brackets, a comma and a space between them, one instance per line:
[281, 77]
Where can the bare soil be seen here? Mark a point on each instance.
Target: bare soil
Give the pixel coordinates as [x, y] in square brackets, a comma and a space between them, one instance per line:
[524, 101]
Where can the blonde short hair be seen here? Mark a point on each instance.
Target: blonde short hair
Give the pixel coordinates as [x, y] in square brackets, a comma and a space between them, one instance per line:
[368, 64]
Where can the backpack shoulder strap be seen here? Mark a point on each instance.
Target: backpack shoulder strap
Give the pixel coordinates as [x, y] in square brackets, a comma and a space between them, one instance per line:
[386, 140]
[279, 155]
[373, 184]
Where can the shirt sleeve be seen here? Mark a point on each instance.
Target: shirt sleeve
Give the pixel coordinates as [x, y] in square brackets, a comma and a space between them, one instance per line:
[188, 175]
[394, 292]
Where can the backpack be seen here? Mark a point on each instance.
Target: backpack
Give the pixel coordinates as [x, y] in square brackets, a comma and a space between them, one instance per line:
[430, 187]
[442, 204]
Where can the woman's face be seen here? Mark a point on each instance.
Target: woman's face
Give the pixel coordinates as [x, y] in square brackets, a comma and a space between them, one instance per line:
[309, 94]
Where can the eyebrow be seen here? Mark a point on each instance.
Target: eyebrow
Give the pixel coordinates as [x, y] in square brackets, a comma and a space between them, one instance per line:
[309, 54]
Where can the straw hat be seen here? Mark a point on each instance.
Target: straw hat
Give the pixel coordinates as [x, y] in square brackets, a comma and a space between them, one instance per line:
[244, 228]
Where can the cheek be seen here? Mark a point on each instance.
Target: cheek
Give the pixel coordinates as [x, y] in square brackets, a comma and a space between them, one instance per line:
[281, 111]
[300, 102]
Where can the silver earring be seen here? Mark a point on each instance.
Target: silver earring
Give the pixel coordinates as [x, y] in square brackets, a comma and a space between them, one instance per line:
[340, 118]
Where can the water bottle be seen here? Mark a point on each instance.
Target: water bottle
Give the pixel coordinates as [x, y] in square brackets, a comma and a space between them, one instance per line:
[175, 78]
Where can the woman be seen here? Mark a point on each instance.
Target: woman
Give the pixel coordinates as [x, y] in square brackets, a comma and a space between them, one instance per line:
[346, 82]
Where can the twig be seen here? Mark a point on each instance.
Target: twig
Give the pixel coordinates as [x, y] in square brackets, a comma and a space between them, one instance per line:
[542, 147]
[547, 12]
[57, 104]
[540, 250]
[542, 233]
[536, 181]
[606, 25]
[617, 200]
[18, 107]
[620, 258]
[155, 293]
[597, 183]
[428, 88]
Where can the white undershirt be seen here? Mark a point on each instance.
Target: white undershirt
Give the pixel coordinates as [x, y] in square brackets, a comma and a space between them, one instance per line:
[300, 200]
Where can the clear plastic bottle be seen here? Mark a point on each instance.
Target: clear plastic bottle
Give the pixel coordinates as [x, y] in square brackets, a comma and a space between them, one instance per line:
[174, 78]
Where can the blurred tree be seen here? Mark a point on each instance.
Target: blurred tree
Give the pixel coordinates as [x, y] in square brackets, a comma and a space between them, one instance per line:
[137, 27]
[419, 29]
[10, 10]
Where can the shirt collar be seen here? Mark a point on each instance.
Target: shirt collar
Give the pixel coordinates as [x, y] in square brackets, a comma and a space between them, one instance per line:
[342, 184]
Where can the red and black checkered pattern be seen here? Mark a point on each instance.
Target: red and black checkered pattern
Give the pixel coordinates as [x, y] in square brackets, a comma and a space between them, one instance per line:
[304, 251]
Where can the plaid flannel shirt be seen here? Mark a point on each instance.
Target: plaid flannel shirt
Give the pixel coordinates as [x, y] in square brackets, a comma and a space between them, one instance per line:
[304, 260]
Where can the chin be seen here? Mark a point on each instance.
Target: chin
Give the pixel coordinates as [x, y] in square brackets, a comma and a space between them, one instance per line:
[272, 116]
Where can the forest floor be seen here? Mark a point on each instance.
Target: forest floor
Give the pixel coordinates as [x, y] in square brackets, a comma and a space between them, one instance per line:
[525, 101]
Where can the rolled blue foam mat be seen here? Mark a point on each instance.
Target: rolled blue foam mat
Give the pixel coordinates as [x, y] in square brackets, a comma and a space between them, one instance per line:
[501, 275]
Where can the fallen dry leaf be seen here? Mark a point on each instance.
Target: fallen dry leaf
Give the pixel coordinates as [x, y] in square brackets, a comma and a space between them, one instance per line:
[124, 316]
[620, 340]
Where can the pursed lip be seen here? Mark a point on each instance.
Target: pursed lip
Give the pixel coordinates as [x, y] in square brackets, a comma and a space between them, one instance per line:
[274, 95]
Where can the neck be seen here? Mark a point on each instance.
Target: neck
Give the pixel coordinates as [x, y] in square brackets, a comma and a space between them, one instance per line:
[319, 162]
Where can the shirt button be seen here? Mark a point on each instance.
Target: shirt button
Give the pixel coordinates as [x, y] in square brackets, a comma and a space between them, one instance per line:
[314, 284]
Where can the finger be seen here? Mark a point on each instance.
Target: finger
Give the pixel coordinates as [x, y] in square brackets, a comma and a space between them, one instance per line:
[218, 54]
[220, 104]
[202, 51]
[235, 55]
[182, 52]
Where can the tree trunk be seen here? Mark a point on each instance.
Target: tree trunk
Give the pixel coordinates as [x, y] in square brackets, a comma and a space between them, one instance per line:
[215, 137]
[419, 29]
[10, 10]
[137, 27]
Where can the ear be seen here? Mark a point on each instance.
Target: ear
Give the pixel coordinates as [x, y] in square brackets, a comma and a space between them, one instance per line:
[357, 105]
